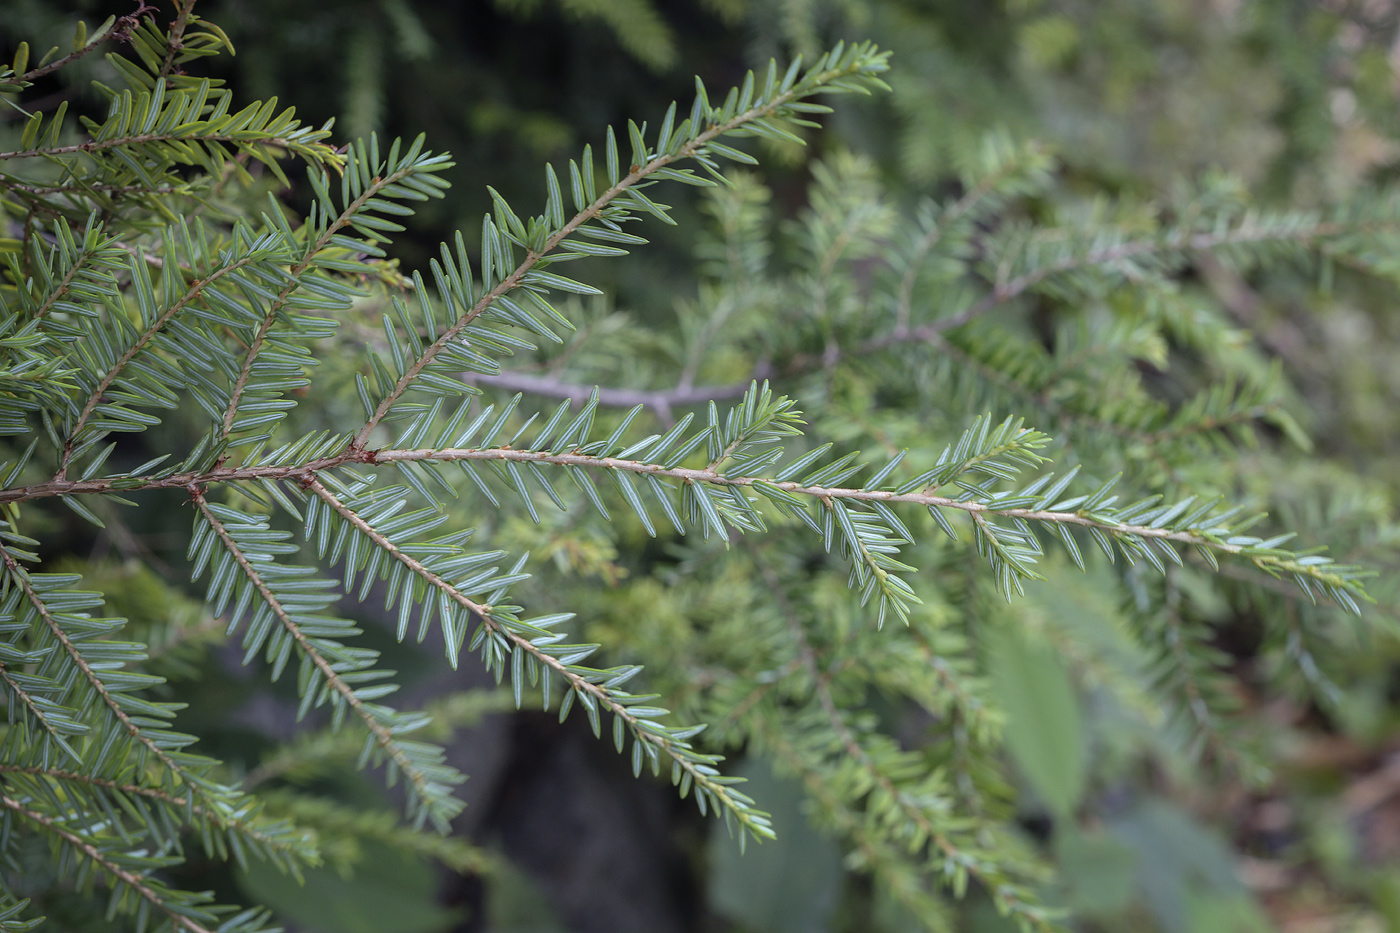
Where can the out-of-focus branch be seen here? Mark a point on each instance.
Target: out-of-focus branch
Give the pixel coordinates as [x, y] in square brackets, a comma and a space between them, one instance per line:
[661, 401]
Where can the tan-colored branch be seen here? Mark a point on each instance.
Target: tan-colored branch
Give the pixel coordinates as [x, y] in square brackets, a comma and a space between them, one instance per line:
[57, 487]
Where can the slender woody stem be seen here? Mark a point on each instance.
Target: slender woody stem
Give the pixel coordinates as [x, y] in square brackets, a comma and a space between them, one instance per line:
[117, 142]
[61, 487]
[79, 188]
[120, 30]
[175, 42]
[61, 775]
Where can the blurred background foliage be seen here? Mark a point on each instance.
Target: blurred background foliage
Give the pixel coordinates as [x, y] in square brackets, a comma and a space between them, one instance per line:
[1297, 101]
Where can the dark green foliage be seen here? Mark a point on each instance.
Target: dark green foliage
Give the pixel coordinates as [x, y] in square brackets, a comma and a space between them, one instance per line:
[172, 331]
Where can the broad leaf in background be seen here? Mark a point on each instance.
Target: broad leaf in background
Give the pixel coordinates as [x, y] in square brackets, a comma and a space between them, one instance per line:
[386, 892]
[1185, 871]
[787, 885]
[1032, 685]
[1098, 872]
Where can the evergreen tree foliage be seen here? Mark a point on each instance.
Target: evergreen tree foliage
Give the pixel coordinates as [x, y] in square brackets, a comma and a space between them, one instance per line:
[825, 524]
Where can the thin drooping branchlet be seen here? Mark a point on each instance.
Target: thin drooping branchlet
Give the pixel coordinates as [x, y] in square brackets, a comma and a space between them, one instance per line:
[290, 618]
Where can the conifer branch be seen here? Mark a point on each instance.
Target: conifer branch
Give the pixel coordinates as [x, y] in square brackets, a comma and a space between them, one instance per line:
[960, 209]
[1193, 697]
[330, 746]
[533, 256]
[335, 823]
[31, 703]
[1191, 662]
[965, 701]
[119, 31]
[132, 880]
[663, 401]
[243, 307]
[60, 289]
[138, 139]
[914, 811]
[10, 184]
[136, 733]
[643, 730]
[1267, 559]
[294, 275]
[1065, 414]
[886, 857]
[180, 636]
[1008, 290]
[247, 828]
[1008, 897]
[194, 291]
[383, 735]
[174, 41]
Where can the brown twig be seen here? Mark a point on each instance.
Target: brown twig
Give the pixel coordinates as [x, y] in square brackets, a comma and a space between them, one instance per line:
[120, 32]
[225, 474]
[175, 42]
